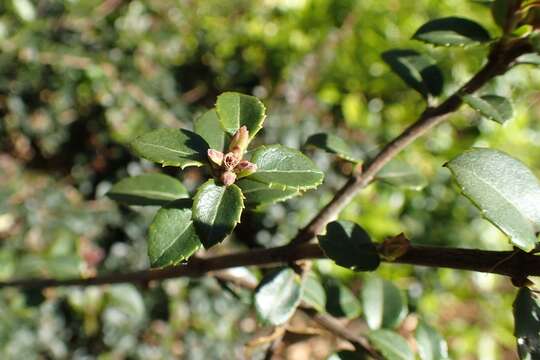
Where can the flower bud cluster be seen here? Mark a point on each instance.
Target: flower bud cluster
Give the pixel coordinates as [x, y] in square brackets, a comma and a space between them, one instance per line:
[230, 166]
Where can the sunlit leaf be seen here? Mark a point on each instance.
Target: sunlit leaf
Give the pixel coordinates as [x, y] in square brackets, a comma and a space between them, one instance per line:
[278, 296]
[384, 304]
[236, 110]
[208, 127]
[171, 147]
[172, 237]
[493, 107]
[284, 168]
[430, 344]
[452, 31]
[504, 189]
[392, 345]
[258, 194]
[216, 211]
[148, 189]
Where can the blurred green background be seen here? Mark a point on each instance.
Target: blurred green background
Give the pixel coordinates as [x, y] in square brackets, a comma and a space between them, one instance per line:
[80, 78]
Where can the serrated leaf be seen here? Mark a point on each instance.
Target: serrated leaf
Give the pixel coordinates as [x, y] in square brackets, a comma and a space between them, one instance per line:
[390, 344]
[493, 107]
[334, 145]
[314, 294]
[384, 304]
[171, 147]
[527, 324]
[258, 194]
[340, 301]
[284, 168]
[450, 31]
[277, 296]
[505, 190]
[216, 211]
[172, 237]
[350, 246]
[399, 173]
[148, 189]
[209, 128]
[236, 110]
[430, 344]
[417, 70]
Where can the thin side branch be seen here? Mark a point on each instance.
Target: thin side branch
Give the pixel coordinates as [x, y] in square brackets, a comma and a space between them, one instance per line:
[515, 264]
[501, 59]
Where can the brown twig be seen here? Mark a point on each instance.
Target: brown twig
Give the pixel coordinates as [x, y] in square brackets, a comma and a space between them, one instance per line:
[496, 262]
[501, 59]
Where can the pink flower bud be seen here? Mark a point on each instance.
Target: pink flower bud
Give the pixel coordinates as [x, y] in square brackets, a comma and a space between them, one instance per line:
[216, 157]
[239, 142]
[228, 178]
[245, 168]
[230, 160]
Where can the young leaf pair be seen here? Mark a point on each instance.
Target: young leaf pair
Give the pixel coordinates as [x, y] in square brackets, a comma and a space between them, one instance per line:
[239, 177]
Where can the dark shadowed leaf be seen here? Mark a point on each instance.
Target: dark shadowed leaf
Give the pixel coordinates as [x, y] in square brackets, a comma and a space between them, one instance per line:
[216, 211]
[284, 168]
[527, 324]
[350, 246]
[504, 189]
[148, 189]
[399, 173]
[277, 296]
[171, 147]
[417, 70]
[172, 237]
[340, 301]
[314, 294]
[258, 194]
[348, 355]
[209, 127]
[384, 304]
[452, 31]
[333, 144]
[391, 345]
[493, 107]
[430, 344]
[236, 110]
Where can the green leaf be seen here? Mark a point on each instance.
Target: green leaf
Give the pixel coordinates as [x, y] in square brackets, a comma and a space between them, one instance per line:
[284, 168]
[277, 296]
[172, 237]
[384, 304]
[452, 31]
[391, 345]
[209, 128]
[258, 194]
[340, 301]
[493, 107]
[527, 324]
[350, 246]
[216, 211]
[171, 147]
[314, 294]
[334, 145]
[417, 70]
[535, 41]
[399, 173]
[504, 189]
[529, 59]
[148, 189]
[431, 346]
[236, 110]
